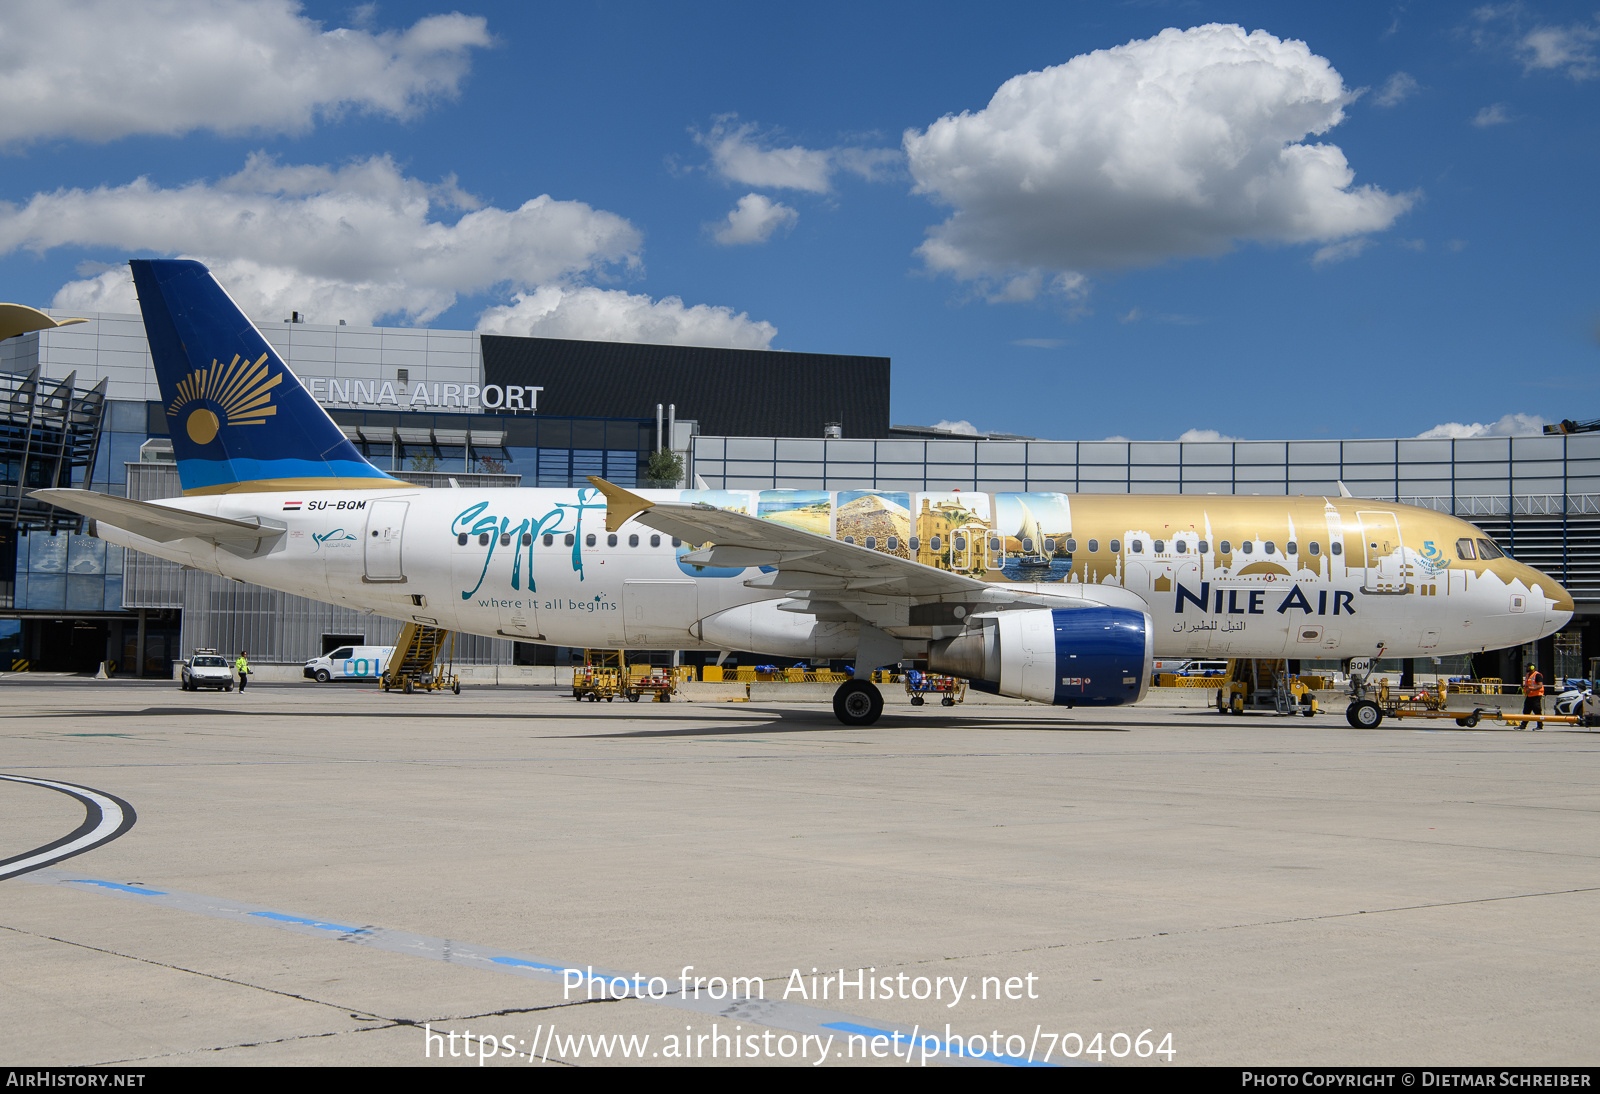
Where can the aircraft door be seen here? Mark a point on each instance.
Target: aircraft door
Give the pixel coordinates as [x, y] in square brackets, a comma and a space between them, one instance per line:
[385, 520]
[1382, 552]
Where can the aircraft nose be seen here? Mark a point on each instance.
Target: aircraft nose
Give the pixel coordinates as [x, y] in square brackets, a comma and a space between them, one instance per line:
[1559, 607]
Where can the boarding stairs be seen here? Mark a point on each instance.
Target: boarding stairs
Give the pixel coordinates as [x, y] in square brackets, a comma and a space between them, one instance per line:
[423, 657]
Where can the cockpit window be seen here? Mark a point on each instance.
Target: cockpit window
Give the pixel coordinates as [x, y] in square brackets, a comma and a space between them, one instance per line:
[1487, 550]
[1464, 550]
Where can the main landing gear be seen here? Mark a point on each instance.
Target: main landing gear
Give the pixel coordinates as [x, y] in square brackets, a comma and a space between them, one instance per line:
[857, 703]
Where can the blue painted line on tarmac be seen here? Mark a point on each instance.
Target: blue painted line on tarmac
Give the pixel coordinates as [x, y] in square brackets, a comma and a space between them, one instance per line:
[519, 962]
[114, 885]
[319, 924]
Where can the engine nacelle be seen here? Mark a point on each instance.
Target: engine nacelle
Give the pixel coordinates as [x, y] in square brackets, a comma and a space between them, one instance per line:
[1065, 656]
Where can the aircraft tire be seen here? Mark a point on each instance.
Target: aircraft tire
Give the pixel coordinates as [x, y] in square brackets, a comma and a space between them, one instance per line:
[322, 676]
[1364, 715]
[857, 703]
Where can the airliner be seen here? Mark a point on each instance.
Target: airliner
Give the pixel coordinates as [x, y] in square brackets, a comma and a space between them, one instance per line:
[1057, 598]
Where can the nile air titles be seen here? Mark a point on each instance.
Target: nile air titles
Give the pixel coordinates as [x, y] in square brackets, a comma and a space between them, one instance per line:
[1299, 577]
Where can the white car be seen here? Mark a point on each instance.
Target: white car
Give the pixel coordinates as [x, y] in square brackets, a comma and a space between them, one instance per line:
[349, 663]
[206, 669]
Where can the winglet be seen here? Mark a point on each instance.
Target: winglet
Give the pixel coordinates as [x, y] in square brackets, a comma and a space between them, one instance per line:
[620, 504]
[1344, 491]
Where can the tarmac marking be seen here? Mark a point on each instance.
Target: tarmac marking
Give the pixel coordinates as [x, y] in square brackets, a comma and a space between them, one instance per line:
[791, 1017]
[105, 818]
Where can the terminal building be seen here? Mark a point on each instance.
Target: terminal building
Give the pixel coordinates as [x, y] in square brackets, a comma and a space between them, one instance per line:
[456, 408]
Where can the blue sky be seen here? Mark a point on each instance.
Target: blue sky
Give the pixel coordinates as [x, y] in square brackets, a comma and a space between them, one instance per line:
[1145, 241]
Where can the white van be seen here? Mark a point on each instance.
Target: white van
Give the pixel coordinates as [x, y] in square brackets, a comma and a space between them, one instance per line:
[350, 663]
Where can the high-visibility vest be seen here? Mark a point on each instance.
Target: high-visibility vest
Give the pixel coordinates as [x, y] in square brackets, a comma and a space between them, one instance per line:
[1533, 685]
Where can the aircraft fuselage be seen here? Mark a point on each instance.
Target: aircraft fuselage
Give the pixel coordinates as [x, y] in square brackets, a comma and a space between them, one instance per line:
[1221, 576]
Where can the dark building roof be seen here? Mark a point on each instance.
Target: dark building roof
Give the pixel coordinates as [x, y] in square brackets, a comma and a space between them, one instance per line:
[731, 392]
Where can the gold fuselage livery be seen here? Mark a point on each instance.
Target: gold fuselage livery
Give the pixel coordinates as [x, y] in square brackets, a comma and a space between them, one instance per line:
[1303, 577]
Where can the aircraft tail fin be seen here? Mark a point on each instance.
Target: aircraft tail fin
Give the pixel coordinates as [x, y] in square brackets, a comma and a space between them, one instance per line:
[240, 420]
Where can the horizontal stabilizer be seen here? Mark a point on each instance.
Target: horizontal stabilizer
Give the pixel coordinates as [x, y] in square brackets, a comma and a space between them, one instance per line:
[160, 523]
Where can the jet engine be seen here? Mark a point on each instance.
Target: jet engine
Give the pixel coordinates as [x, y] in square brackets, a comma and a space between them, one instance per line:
[1065, 656]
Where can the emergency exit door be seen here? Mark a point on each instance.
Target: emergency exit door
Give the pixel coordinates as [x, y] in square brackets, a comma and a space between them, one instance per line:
[385, 520]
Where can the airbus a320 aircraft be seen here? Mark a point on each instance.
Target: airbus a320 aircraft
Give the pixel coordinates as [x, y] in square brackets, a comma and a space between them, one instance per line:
[1061, 599]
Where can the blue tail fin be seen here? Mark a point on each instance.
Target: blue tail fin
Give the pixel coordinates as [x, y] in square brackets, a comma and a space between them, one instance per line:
[240, 420]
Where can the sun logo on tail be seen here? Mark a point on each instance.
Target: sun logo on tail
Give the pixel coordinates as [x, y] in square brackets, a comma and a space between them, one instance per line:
[239, 393]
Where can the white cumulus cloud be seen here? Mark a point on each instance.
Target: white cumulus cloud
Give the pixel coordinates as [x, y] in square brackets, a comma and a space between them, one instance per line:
[962, 426]
[1570, 48]
[355, 242]
[1495, 114]
[754, 220]
[1509, 425]
[611, 315]
[1396, 89]
[1205, 435]
[1172, 146]
[101, 69]
[741, 153]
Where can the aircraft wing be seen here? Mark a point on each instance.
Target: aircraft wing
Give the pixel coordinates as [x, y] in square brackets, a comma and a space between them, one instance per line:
[809, 567]
[160, 523]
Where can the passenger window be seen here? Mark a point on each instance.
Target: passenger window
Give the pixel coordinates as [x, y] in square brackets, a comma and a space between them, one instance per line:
[1136, 547]
[935, 544]
[1160, 545]
[1249, 547]
[1178, 546]
[505, 539]
[894, 543]
[851, 540]
[633, 541]
[676, 542]
[569, 539]
[1291, 548]
[872, 543]
[1072, 546]
[914, 543]
[1487, 551]
[549, 539]
[588, 540]
[1202, 547]
[1094, 546]
[527, 539]
[461, 540]
[1226, 548]
[1464, 550]
[1271, 546]
[1116, 545]
[1316, 548]
[611, 540]
[994, 546]
[483, 539]
[1049, 546]
[655, 541]
[1336, 547]
[959, 543]
[1027, 544]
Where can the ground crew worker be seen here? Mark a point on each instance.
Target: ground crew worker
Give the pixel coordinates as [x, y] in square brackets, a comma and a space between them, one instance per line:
[242, 667]
[1533, 695]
